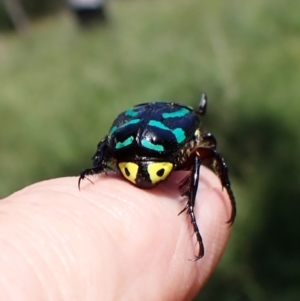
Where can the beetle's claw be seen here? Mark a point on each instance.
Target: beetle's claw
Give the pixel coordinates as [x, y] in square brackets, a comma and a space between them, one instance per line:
[82, 176]
[196, 258]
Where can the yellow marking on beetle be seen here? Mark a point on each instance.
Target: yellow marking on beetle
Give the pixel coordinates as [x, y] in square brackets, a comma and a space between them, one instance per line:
[129, 171]
[159, 171]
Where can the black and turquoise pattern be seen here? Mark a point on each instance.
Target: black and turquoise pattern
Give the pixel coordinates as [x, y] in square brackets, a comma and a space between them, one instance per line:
[156, 126]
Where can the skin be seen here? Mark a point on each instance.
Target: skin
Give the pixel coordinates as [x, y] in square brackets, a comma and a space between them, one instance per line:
[108, 241]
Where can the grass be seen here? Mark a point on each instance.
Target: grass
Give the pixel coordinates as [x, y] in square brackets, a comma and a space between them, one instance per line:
[61, 87]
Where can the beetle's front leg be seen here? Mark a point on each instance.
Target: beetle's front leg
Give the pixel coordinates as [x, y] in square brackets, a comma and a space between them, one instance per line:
[99, 162]
[188, 188]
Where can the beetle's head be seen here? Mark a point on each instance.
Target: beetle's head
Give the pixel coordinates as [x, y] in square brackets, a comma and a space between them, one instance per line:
[145, 174]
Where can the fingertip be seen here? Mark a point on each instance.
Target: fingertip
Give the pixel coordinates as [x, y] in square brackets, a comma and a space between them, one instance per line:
[150, 234]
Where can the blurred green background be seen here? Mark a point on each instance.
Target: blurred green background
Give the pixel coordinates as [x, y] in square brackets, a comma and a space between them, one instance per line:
[61, 86]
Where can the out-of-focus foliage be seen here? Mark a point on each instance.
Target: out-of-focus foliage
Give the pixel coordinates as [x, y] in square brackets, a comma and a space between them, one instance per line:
[31, 8]
[61, 87]
[5, 22]
[37, 8]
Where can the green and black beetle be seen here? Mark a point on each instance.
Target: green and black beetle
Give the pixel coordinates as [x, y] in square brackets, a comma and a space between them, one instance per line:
[149, 141]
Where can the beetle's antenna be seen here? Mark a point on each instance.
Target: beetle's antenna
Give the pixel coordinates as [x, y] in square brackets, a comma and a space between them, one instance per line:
[202, 104]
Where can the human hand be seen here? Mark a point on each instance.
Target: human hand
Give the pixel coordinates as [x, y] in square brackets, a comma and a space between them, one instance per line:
[109, 241]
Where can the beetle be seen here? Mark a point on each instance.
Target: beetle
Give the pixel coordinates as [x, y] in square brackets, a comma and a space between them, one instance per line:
[149, 141]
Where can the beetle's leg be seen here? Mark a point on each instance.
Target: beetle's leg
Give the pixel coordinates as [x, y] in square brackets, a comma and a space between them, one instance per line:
[209, 154]
[87, 172]
[100, 153]
[99, 166]
[188, 188]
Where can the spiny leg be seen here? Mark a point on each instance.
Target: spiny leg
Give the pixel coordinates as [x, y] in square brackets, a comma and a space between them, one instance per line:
[209, 154]
[101, 168]
[188, 188]
[98, 162]
[87, 172]
[221, 169]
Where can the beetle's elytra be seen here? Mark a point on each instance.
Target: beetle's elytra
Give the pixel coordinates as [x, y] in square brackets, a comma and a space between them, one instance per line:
[149, 141]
